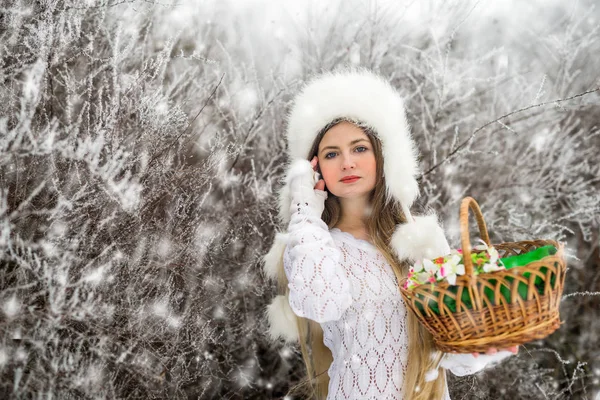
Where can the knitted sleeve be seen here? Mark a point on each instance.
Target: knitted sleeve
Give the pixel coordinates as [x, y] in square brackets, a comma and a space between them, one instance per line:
[319, 286]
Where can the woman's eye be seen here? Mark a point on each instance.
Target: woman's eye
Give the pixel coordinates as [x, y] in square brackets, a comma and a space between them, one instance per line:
[360, 149]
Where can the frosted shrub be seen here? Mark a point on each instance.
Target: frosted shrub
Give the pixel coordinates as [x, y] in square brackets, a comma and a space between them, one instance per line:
[140, 145]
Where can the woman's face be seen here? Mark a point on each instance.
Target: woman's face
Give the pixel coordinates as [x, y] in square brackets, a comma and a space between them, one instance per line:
[344, 151]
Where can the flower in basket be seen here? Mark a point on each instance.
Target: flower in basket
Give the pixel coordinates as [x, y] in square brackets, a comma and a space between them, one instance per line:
[450, 266]
[485, 260]
[423, 271]
[488, 261]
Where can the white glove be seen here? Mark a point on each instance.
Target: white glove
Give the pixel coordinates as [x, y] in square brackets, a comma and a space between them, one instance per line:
[305, 199]
[467, 364]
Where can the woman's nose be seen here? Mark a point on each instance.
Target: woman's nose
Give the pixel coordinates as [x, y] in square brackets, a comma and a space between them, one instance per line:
[347, 162]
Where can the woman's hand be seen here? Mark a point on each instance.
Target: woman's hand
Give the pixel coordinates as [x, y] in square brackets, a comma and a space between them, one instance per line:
[302, 181]
[321, 183]
[493, 350]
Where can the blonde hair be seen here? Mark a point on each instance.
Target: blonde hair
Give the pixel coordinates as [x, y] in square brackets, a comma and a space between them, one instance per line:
[380, 225]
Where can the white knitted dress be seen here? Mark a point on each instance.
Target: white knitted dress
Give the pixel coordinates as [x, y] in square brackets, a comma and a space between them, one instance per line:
[347, 286]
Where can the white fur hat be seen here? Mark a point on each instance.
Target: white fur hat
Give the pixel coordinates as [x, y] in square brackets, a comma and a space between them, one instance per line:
[363, 96]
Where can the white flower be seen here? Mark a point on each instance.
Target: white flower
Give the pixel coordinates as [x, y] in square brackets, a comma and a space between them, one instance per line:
[488, 267]
[455, 270]
[430, 266]
[482, 246]
[422, 277]
[493, 264]
[493, 255]
[454, 260]
[418, 267]
[443, 271]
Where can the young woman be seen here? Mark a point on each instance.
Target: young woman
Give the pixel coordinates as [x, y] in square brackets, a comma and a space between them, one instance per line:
[350, 237]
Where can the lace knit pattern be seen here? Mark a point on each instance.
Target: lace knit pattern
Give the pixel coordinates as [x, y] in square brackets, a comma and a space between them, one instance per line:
[373, 343]
[347, 285]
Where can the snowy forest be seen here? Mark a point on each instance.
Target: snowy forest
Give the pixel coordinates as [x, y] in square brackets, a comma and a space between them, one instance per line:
[142, 144]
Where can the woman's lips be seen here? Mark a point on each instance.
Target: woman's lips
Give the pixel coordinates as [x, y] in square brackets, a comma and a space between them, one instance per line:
[352, 180]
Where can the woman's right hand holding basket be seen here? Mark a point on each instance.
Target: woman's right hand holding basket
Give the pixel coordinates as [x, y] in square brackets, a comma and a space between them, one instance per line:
[493, 350]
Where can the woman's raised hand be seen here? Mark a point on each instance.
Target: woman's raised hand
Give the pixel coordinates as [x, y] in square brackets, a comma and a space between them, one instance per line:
[320, 183]
[303, 181]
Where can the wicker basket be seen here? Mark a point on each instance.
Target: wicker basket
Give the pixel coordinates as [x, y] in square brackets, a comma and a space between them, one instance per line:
[498, 322]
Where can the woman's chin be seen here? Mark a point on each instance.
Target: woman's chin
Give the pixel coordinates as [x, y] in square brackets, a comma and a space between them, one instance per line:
[349, 193]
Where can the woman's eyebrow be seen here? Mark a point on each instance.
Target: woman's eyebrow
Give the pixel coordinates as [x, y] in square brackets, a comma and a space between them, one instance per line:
[351, 143]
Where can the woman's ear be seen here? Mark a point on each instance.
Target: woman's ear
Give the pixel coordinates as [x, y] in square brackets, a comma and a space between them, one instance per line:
[318, 169]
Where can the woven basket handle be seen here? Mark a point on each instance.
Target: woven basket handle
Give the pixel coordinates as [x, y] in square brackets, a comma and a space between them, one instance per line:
[469, 202]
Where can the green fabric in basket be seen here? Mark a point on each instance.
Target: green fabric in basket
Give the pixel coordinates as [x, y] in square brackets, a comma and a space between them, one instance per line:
[529, 257]
[524, 259]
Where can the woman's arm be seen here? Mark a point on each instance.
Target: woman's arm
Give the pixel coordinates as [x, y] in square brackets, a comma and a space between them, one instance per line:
[319, 286]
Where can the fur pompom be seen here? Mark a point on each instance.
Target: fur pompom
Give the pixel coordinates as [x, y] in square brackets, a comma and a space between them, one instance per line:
[282, 320]
[272, 260]
[418, 239]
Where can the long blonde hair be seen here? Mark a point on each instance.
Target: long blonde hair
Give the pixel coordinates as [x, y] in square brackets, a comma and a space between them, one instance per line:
[380, 225]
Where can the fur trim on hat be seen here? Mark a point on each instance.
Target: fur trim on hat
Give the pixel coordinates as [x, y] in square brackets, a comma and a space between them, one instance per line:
[360, 95]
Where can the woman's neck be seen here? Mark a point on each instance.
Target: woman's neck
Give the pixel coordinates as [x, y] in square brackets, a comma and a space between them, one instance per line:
[354, 215]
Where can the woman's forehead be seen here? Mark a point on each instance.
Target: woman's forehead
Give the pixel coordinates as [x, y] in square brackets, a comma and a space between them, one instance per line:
[344, 133]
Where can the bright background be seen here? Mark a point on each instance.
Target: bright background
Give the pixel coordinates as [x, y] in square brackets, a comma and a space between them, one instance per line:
[142, 144]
